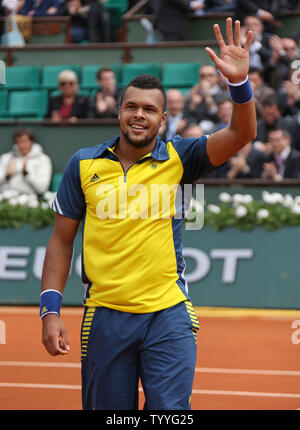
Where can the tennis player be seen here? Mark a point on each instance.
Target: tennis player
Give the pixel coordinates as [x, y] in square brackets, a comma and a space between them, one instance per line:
[138, 320]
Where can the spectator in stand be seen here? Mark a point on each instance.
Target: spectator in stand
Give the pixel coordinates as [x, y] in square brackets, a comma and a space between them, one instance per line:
[260, 50]
[78, 14]
[272, 119]
[170, 17]
[284, 161]
[224, 113]
[260, 89]
[267, 10]
[284, 52]
[104, 104]
[69, 105]
[246, 164]
[289, 94]
[90, 20]
[200, 105]
[191, 130]
[175, 122]
[40, 8]
[26, 168]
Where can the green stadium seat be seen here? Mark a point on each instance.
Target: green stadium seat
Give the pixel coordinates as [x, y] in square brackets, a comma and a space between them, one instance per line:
[89, 75]
[3, 102]
[23, 77]
[50, 75]
[121, 4]
[176, 75]
[56, 178]
[131, 70]
[27, 104]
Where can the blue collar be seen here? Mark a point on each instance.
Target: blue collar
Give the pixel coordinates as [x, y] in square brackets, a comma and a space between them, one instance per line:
[159, 153]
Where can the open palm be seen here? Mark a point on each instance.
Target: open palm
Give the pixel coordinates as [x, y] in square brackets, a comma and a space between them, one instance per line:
[233, 61]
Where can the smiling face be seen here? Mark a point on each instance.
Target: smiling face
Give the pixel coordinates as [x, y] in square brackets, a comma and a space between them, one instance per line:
[141, 114]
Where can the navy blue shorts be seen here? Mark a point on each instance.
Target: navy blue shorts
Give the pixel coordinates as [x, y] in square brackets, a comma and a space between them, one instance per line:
[119, 348]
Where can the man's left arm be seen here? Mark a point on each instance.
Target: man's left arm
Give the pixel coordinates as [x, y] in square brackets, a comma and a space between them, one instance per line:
[233, 63]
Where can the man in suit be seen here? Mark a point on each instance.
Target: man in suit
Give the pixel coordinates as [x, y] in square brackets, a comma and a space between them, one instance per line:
[170, 17]
[261, 91]
[284, 161]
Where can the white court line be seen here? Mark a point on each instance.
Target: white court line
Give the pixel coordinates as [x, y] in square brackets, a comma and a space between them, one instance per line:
[25, 385]
[211, 392]
[246, 393]
[248, 371]
[39, 364]
[198, 369]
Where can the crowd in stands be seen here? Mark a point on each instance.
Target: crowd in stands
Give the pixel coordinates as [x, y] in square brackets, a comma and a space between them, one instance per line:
[203, 109]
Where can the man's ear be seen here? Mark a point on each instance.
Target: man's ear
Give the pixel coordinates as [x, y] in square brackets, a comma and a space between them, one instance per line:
[164, 118]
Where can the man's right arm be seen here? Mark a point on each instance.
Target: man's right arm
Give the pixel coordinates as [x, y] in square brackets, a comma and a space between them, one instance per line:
[55, 274]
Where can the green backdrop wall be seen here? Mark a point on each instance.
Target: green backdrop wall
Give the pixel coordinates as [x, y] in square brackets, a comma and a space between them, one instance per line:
[257, 269]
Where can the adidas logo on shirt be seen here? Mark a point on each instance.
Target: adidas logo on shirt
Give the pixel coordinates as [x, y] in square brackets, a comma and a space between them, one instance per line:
[94, 178]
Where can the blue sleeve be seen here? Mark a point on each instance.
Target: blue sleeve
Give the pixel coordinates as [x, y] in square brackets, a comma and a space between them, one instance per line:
[192, 152]
[69, 199]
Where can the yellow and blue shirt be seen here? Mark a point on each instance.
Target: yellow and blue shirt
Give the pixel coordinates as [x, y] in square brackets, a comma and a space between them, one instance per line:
[132, 249]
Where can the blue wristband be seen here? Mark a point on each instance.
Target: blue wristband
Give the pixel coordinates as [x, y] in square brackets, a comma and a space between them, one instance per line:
[240, 93]
[50, 302]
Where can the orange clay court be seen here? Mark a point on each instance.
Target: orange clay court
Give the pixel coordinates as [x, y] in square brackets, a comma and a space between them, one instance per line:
[247, 359]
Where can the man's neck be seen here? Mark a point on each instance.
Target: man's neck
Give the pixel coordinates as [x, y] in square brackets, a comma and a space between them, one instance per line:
[129, 154]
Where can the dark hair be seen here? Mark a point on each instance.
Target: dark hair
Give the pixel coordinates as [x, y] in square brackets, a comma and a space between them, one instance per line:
[253, 69]
[271, 100]
[21, 131]
[103, 70]
[285, 132]
[146, 82]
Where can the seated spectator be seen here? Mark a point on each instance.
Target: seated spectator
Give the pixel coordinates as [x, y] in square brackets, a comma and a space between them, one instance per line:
[200, 104]
[104, 104]
[78, 14]
[192, 130]
[260, 89]
[246, 164]
[284, 161]
[260, 51]
[272, 119]
[224, 113]
[175, 119]
[267, 11]
[69, 105]
[40, 8]
[284, 52]
[289, 95]
[26, 168]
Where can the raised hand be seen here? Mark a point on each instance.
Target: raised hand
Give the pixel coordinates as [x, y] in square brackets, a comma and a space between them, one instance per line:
[233, 62]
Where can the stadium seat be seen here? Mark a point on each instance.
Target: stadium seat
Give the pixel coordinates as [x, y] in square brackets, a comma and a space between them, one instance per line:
[131, 70]
[23, 77]
[56, 178]
[89, 75]
[121, 4]
[176, 75]
[27, 104]
[3, 102]
[50, 74]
